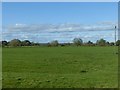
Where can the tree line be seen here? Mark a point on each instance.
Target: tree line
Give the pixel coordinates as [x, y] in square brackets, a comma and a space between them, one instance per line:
[76, 42]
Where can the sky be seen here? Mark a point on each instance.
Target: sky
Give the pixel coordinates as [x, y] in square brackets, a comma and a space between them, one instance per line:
[62, 21]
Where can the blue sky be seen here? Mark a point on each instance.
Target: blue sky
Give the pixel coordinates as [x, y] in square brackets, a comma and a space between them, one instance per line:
[44, 22]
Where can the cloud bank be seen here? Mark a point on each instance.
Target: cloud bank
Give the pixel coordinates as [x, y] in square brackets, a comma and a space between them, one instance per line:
[63, 32]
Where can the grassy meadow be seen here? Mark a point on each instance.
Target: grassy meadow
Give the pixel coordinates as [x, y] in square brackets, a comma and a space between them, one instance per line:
[60, 67]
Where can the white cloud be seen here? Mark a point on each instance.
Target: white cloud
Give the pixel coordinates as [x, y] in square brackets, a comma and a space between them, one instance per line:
[17, 24]
[59, 27]
[62, 32]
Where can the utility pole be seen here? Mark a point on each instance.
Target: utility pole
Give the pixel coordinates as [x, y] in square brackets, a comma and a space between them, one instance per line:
[115, 34]
[115, 39]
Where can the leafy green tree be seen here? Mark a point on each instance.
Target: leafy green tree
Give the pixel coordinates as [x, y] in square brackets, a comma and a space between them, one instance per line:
[4, 43]
[77, 41]
[0, 43]
[101, 42]
[15, 43]
[54, 43]
[107, 43]
[112, 44]
[26, 43]
[90, 43]
[118, 43]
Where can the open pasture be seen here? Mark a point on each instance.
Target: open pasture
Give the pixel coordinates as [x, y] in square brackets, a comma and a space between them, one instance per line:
[60, 67]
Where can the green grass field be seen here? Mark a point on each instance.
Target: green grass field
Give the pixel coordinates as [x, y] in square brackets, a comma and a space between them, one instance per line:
[60, 67]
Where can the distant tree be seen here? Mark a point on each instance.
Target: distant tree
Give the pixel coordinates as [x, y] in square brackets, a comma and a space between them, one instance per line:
[48, 44]
[0, 43]
[118, 43]
[62, 44]
[111, 43]
[26, 43]
[107, 43]
[15, 43]
[101, 42]
[4, 43]
[77, 41]
[32, 43]
[54, 43]
[90, 43]
[36, 44]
